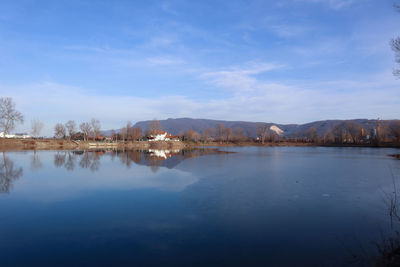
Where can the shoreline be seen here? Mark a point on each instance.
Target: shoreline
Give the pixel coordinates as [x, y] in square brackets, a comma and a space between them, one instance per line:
[61, 144]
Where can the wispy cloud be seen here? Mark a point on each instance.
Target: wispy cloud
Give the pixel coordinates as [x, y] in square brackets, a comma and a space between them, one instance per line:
[287, 30]
[239, 77]
[251, 98]
[335, 4]
[164, 60]
[167, 7]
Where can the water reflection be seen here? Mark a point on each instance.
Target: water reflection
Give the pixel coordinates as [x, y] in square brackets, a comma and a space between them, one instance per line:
[262, 206]
[35, 161]
[91, 159]
[8, 174]
[153, 158]
[59, 159]
[70, 162]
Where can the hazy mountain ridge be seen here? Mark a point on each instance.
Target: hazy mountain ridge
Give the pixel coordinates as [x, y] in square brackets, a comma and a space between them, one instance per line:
[181, 125]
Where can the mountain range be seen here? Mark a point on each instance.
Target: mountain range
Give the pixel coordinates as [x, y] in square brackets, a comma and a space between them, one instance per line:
[181, 125]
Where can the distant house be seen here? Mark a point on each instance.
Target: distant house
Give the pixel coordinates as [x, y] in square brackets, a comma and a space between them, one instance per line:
[78, 136]
[17, 135]
[100, 138]
[163, 136]
[108, 138]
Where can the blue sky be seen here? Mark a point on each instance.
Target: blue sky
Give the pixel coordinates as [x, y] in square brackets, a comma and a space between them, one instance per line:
[288, 61]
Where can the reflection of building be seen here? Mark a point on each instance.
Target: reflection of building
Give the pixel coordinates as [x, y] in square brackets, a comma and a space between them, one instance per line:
[163, 136]
[163, 154]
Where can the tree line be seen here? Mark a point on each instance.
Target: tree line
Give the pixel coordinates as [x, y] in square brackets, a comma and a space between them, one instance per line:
[346, 132]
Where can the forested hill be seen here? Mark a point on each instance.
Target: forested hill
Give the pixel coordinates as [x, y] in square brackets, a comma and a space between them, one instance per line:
[181, 125]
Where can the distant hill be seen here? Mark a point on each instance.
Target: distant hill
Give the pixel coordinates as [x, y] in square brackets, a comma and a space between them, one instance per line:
[181, 125]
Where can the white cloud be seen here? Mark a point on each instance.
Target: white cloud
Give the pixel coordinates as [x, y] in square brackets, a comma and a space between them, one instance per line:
[239, 78]
[247, 97]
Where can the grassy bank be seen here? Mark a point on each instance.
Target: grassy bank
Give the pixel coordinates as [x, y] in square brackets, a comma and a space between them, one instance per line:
[61, 144]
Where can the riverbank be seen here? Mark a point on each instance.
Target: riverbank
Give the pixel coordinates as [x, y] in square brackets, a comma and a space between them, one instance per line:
[60, 144]
[291, 144]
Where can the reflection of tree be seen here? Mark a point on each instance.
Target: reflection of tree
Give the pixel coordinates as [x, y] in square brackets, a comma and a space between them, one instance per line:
[70, 163]
[85, 160]
[157, 158]
[59, 159]
[153, 159]
[8, 174]
[135, 156]
[90, 160]
[35, 161]
[95, 165]
[125, 160]
[65, 159]
[154, 162]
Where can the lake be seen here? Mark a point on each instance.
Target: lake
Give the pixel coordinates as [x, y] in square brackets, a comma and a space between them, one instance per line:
[256, 206]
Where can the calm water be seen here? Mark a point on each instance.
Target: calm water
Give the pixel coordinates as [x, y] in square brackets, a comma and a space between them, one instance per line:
[259, 206]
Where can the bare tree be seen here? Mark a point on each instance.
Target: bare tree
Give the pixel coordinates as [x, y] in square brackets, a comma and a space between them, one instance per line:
[36, 127]
[312, 134]
[95, 125]
[60, 131]
[123, 133]
[71, 128]
[354, 129]
[207, 134]
[338, 133]
[262, 131]
[220, 131]
[238, 134]
[154, 127]
[328, 137]
[129, 132]
[382, 131]
[86, 129]
[136, 133]
[228, 134]
[192, 136]
[8, 115]
[114, 135]
[395, 129]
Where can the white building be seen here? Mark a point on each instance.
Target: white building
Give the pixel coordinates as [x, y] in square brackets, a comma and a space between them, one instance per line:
[163, 136]
[23, 136]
